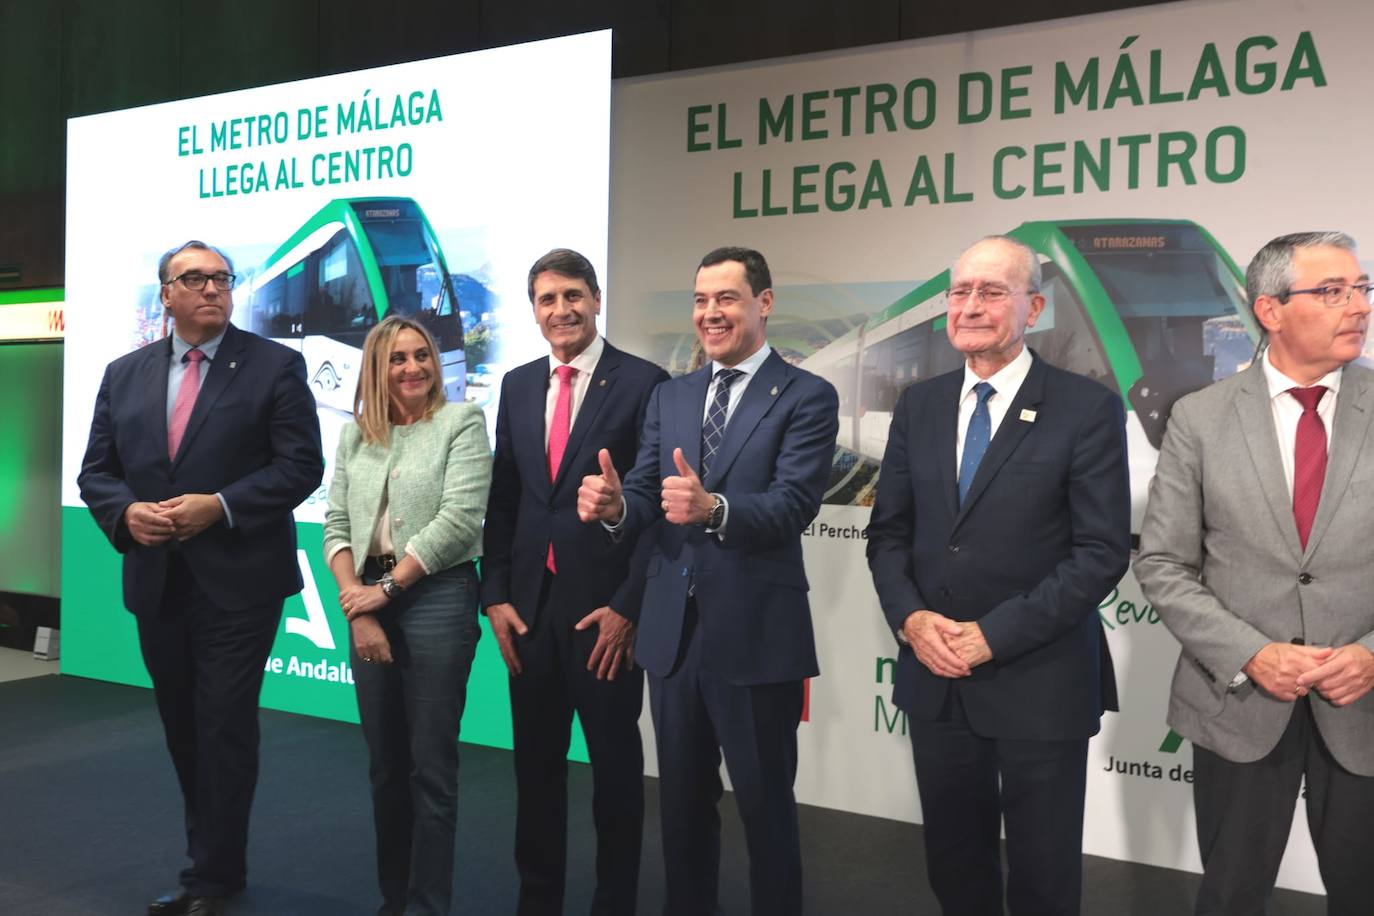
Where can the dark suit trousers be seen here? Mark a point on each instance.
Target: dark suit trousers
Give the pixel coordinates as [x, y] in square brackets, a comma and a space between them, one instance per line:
[969, 785]
[555, 682]
[697, 715]
[207, 668]
[1245, 813]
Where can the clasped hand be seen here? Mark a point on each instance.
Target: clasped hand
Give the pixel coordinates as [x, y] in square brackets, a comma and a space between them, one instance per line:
[946, 647]
[1340, 675]
[181, 517]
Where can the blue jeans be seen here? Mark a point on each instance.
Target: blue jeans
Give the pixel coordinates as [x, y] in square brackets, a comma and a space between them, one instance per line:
[410, 712]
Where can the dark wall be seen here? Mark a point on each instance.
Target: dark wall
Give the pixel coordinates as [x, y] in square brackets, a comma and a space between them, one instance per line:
[66, 58]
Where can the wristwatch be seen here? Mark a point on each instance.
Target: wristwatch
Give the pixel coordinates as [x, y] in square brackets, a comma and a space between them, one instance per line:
[390, 587]
[717, 516]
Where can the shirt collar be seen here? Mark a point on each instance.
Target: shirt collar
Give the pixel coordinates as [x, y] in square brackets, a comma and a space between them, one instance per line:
[583, 362]
[1279, 383]
[1005, 380]
[180, 347]
[748, 366]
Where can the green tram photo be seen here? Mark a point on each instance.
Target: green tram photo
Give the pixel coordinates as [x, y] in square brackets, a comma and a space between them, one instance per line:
[1153, 309]
[353, 263]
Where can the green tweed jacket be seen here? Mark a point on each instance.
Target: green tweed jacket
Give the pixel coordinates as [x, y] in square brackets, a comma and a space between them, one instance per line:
[436, 474]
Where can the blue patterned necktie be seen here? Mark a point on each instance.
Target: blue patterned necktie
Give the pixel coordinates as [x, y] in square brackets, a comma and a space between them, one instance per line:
[976, 439]
[713, 430]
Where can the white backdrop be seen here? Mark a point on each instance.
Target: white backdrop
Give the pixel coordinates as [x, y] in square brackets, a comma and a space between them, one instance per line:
[1246, 117]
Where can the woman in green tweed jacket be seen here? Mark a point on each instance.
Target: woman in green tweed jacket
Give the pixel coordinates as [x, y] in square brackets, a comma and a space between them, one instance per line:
[403, 529]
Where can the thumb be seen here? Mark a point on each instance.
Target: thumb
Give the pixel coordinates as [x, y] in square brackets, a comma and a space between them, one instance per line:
[683, 467]
[607, 468]
[587, 621]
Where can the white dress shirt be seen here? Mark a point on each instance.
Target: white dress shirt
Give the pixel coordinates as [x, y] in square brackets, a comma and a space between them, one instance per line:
[1287, 410]
[1006, 382]
[585, 364]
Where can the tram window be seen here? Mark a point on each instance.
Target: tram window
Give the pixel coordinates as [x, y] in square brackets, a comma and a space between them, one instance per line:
[409, 268]
[1062, 335]
[340, 301]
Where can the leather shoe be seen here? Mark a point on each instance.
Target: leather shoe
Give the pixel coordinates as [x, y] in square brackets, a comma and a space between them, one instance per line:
[181, 902]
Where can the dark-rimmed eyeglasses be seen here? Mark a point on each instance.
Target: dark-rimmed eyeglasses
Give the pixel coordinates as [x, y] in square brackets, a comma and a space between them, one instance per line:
[195, 280]
[1335, 295]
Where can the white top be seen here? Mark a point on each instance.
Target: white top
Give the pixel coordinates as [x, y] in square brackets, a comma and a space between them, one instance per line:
[585, 364]
[1006, 382]
[1287, 410]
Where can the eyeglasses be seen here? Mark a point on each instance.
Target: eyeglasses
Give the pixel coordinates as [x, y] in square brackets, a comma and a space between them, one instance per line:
[988, 295]
[1335, 295]
[196, 280]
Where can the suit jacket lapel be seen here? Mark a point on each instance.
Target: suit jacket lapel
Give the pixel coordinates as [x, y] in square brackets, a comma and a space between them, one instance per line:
[946, 438]
[688, 425]
[227, 363]
[528, 422]
[598, 390]
[1009, 434]
[761, 394]
[1350, 426]
[155, 370]
[1257, 429]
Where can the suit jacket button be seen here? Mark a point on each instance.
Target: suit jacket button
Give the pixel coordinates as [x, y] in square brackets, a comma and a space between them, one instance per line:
[1305, 579]
[395, 473]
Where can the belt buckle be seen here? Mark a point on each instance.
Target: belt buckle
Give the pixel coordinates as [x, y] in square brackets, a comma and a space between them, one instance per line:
[387, 561]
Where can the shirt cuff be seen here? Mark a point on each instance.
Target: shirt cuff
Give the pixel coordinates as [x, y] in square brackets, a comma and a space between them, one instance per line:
[1237, 682]
[615, 529]
[228, 516]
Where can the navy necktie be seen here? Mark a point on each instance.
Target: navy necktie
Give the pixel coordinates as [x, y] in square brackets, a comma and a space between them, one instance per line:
[976, 439]
[713, 430]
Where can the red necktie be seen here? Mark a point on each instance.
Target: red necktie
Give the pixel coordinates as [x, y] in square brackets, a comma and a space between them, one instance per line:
[1309, 460]
[186, 401]
[558, 433]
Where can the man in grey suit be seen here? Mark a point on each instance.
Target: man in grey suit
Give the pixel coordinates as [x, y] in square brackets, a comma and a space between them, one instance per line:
[1256, 551]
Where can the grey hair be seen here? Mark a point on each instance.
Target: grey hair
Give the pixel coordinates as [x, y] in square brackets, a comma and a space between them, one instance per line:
[1028, 255]
[196, 244]
[1271, 271]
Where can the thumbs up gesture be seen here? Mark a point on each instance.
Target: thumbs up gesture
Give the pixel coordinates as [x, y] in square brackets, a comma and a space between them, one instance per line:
[598, 499]
[685, 501]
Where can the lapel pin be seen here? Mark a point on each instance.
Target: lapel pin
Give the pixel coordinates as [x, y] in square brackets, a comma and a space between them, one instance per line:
[233, 365]
[774, 392]
[1027, 416]
[601, 384]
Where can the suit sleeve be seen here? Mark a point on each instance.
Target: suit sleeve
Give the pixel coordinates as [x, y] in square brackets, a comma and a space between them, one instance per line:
[630, 595]
[452, 535]
[1099, 507]
[642, 485]
[503, 504]
[101, 481]
[892, 526]
[296, 464]
[774, 517]
[1169, 565]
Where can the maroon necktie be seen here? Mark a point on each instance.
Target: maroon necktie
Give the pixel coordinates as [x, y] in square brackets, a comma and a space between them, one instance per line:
[1309, 460]
[186, 401]
[558, 434]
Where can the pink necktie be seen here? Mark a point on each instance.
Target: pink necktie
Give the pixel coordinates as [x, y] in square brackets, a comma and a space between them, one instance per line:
[1309, 460]
[558, 434]
[186, 402]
